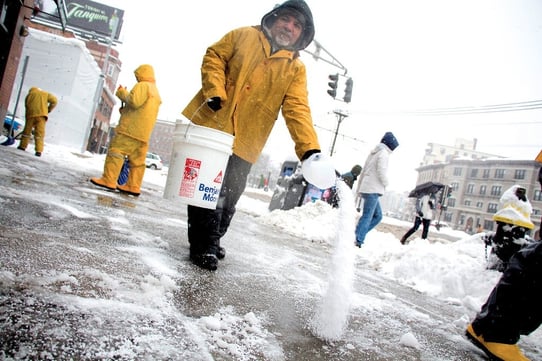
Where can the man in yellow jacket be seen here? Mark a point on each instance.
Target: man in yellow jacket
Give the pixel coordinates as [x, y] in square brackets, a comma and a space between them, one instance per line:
[38, 105]
[131, 140]
[248, 76]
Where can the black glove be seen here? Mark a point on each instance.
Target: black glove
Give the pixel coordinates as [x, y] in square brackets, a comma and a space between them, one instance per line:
[420, 214]
[214, 103]
[308, 153]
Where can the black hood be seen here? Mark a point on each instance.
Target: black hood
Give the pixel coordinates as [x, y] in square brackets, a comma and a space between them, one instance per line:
[300, 6]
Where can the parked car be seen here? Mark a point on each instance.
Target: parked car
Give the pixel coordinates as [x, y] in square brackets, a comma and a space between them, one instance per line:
[18, 126]
[11, 128]
[153, 161]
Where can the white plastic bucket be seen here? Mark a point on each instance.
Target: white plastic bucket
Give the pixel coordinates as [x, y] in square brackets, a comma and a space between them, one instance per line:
[197, 165]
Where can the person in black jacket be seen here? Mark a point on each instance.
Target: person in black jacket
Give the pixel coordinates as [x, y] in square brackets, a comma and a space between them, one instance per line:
[350, 177]
[513, 307]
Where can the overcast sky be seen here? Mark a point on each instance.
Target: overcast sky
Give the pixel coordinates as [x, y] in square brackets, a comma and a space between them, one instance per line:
[409, 61]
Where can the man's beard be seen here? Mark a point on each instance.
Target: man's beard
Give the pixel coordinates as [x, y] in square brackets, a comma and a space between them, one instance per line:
[283, 40]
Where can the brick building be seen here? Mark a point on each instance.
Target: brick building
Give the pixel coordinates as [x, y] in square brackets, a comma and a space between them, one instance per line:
[99, 38]
[15, 17]
[161, 141]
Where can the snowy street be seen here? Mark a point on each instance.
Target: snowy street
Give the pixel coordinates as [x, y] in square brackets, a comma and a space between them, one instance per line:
[88, 274]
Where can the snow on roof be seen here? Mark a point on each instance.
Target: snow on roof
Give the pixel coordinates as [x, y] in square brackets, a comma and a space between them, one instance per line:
[56, 39]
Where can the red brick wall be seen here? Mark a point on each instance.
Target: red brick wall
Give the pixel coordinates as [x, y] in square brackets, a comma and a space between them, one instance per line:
[14, 58]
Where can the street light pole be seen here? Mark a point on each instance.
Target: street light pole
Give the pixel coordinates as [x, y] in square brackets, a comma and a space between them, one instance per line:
[100, 85]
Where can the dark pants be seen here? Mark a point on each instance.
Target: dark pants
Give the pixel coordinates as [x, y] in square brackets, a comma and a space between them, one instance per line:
[514, 307]
[417, 222]
[207, 226]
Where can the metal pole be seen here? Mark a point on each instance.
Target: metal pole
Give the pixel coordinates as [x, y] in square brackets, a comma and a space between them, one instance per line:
[99, 87]
[18, 95]
[336, 132]
[340, 117]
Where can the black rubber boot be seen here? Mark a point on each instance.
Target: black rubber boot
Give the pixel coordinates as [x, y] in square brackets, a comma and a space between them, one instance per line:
[206, 261]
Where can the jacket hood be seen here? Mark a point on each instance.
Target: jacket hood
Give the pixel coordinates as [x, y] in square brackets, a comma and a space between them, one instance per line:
[356, 170]
[145, 72]
[390, 140]
[301, 7]
[515, 210]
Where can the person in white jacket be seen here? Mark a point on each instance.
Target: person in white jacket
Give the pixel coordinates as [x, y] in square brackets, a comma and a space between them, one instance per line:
[424, 215]
[372, 185]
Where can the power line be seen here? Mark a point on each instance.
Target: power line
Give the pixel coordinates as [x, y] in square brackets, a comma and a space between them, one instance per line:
[341, 134]
[495, 108]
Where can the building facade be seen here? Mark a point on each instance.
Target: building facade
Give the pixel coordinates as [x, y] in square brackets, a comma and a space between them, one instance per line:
[98, 33]
[463, 148]
[161, 141]
[477, 186]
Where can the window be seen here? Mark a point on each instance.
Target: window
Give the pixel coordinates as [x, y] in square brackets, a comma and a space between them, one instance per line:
[3, 15]
[483, 190]
[480, 205]
[474, 173]
[488, 225]
[470, 189]
[451, 202]
[519, 174]
[537, 196]
[499, 173]
[110, 70]
[458, 171]
[492, 208]
[486, 173]
[496, 190]
[467, 202]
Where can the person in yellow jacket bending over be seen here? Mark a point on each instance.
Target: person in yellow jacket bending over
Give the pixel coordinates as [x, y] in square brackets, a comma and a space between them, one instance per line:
[248, 77]
[38, 105]
[131, 140]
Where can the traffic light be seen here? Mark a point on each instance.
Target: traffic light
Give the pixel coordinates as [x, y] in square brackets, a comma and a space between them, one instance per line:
[446, 193]
[348, 90]
[333, 85]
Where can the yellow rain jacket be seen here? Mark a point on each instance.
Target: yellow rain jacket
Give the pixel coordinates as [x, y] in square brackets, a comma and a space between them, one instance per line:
[141, 104]
[253, 85]
[39, 103]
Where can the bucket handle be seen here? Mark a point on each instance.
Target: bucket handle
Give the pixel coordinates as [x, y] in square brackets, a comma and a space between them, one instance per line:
[193, 115]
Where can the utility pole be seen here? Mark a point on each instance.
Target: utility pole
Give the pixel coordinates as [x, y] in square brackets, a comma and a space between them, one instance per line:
[25, 64]
[100, 85]
[340, 117]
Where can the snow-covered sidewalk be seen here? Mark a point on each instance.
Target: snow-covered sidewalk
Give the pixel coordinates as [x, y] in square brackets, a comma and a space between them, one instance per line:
[87, 274]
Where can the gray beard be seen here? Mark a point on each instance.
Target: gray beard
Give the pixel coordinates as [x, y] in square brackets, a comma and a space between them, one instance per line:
[275, 45]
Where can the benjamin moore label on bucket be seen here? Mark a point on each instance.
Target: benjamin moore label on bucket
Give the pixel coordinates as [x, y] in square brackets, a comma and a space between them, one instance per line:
[190, 177]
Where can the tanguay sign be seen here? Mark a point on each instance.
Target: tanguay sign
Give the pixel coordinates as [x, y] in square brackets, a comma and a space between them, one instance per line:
[85, 16]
